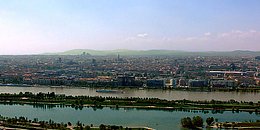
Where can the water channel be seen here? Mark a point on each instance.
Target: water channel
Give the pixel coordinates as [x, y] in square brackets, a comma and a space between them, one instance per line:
[158, 119]
[145, 93]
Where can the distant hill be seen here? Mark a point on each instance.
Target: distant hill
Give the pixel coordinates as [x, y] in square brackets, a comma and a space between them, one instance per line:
[156, 52]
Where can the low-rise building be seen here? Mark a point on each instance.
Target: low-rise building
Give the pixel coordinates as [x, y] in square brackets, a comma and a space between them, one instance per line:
[222, 83]
[198, 83]
[155, 83]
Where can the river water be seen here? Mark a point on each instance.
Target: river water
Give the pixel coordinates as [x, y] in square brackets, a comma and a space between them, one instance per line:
[157, 119]
[146, 93]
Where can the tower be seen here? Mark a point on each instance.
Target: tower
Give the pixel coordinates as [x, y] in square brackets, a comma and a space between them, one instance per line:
[118, 57]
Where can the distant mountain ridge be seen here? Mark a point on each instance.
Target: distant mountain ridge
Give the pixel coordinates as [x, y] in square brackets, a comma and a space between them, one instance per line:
[125, 52]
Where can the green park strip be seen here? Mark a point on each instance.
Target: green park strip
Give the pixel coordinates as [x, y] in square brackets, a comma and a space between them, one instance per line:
[35, 124]
[128, 102]
[197, 122]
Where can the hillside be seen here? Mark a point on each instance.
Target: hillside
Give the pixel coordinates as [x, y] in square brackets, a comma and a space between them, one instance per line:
[156, 52]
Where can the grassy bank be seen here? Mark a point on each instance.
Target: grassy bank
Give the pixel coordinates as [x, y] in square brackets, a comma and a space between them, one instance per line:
[131, 102]
[35, 124]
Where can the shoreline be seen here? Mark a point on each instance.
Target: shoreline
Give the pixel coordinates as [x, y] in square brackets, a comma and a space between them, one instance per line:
[138, 103]
[24, 123]
[136, 107]
[196, 89]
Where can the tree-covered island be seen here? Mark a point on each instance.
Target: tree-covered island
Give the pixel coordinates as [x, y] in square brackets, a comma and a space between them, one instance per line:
[128, 102]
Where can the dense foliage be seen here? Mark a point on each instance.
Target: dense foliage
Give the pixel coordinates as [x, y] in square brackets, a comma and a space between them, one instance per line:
[196, 121]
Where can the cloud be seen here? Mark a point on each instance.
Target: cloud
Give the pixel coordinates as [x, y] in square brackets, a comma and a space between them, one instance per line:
[4, 13]
[207, 34]
[142, 35]
[138, 37]
[225, 41]
[130, 39]
[233, 35]
[222, 41]
[250, 35]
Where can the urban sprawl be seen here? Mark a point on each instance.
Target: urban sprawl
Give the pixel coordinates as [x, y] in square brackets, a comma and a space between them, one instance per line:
[131, 71]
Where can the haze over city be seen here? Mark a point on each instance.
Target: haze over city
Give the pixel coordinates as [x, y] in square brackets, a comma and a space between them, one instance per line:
[35, 27]
[129, 64]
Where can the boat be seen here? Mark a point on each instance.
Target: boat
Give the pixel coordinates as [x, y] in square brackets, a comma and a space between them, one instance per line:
[109, 91]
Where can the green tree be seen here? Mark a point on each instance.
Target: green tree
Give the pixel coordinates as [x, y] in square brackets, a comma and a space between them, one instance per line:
[186, 122]
[209, 120]
[197, 121]
[87, 127]
[102, 127]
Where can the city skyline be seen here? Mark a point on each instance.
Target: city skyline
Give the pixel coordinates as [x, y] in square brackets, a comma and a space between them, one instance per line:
[35, 27]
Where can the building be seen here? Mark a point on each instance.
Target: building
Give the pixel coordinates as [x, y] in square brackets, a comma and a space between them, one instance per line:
[198, 83]
[257, 80]
[155, 83]
[222, 83]
[257, 57]
[170, 83]
[225, 73]
[182, 82]
[126, 80]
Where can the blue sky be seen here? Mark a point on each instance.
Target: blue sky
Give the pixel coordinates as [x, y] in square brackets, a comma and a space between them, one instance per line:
[37, 26]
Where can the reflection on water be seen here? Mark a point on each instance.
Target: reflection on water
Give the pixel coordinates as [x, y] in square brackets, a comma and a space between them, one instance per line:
[158, 119]
[95, 108]
[146, 93]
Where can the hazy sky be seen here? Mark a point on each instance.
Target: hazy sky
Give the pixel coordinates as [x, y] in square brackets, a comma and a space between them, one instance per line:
[37, 26]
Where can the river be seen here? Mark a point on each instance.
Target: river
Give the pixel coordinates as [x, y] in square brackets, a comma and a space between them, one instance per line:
[157, 119]
[145, 93]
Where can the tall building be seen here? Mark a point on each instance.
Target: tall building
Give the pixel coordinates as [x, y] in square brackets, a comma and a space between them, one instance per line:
[126, 80]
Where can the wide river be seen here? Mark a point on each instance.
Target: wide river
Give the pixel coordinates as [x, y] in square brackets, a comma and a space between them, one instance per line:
[146, 93]
[157, 119]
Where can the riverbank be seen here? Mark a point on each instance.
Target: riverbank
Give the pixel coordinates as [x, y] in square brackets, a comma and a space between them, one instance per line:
[199, 89]
[116, 102]
[131, 117]
[236, 125]
[209, 89]
[197, 122]
[142, 93]
[35, 124]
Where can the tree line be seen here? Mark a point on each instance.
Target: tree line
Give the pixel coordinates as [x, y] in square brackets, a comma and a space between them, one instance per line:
[195, 122]
[98, 101]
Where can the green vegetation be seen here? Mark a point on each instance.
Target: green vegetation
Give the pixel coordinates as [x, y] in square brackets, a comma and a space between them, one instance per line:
[209, 120]
[196, 122]
[35, 124]
[79, 102]
[237, 125]
[24, 123]
[186, 122]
